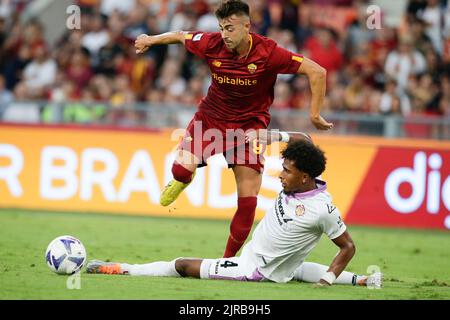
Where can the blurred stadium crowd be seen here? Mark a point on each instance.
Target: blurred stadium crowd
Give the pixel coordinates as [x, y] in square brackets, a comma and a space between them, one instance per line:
[403, 69]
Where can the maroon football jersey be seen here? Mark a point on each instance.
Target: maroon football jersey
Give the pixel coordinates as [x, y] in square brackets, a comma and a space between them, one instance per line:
[243, 88]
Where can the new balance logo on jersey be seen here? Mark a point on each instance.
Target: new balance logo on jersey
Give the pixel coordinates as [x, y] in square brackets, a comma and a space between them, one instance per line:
[331, 208]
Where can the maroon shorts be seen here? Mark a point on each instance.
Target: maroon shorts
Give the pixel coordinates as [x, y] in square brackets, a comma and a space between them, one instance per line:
[206, 137]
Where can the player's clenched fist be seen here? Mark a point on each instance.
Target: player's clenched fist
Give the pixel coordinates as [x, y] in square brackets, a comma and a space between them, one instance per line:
[142, 43]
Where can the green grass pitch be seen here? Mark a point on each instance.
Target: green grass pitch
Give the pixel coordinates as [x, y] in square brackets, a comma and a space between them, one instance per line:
[416, 263]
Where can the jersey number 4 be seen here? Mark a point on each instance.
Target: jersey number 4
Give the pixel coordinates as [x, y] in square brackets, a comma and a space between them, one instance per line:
[228, 264]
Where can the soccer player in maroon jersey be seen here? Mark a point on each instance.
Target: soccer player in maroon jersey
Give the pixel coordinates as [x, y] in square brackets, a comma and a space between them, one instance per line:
[244, 68]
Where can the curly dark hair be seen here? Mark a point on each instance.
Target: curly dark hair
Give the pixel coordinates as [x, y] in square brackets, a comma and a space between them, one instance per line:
[307, 157]
[230, 7]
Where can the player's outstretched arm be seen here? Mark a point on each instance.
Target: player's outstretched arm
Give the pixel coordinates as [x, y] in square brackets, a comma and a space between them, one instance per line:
[144, 42]
[346, 252]
[317, 79]
[267, 137]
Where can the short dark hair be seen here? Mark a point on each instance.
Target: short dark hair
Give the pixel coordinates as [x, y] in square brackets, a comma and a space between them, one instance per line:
[230, 7]
[306, 156]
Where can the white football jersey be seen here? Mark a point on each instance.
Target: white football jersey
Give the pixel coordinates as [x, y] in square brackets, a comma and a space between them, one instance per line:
[290, 230]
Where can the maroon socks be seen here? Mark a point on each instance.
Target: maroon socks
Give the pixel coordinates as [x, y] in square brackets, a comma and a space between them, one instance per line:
[241, 224]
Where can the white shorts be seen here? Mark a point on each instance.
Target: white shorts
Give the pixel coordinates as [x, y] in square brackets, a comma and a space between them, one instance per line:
[235, 268]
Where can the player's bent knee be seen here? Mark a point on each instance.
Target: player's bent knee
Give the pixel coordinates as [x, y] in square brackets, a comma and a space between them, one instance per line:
[181, 266]
[188, 267]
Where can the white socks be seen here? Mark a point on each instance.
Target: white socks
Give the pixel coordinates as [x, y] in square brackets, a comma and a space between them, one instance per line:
[154, 269]
[204, 268]
[312, 272]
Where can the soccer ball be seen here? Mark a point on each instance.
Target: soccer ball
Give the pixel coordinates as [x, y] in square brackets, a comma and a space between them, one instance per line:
[65, 255]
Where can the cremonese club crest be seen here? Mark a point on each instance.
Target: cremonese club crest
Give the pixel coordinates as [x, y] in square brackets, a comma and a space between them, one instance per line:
[300, 210]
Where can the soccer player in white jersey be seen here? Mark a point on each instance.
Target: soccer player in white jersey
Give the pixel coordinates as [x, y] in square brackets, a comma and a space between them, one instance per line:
[281, 242]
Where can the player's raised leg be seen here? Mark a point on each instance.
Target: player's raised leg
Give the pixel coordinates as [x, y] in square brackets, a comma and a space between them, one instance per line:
[248, 182]
[313, 272]
[183, 171]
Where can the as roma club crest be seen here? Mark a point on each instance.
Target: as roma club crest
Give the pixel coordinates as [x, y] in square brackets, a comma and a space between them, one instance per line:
[300, 210]
[216, 63]
[252, 68]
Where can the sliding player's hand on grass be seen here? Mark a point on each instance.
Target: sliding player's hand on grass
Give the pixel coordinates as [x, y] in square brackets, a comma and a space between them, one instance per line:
[321, 283]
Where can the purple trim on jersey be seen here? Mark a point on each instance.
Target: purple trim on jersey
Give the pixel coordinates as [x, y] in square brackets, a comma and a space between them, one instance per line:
[322, 186]
[256, 276]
